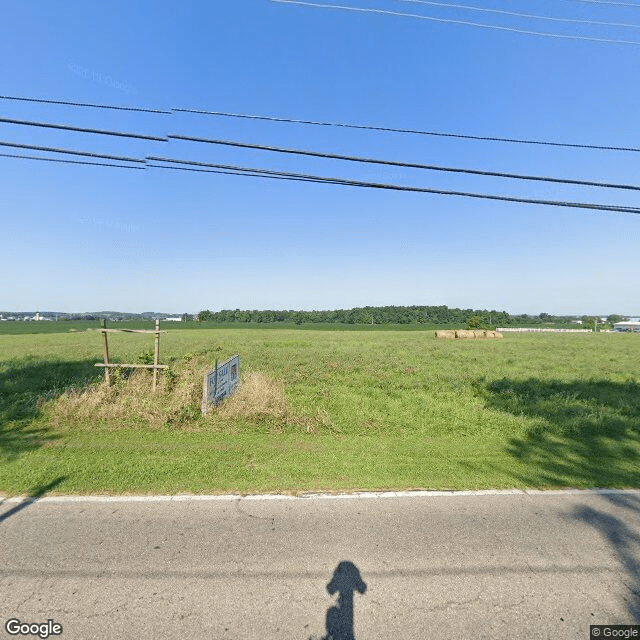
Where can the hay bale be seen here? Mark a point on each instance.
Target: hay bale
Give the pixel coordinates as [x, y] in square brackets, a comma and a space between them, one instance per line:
[462, 334]
[497, 335]
[445, 335]
[479, 334]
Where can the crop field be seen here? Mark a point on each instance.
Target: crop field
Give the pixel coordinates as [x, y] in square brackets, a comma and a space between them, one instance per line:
[319, 410]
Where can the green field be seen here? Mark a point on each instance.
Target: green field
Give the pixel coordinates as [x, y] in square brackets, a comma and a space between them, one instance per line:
[320, 410]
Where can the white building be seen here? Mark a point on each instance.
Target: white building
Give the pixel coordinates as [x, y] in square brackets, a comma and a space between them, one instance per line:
[173, 320]
[627, 326]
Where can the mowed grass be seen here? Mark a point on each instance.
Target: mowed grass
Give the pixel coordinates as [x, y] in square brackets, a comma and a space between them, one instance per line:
[321, 411]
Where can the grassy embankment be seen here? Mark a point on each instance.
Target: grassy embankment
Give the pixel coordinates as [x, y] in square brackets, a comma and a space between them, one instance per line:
[321, 410]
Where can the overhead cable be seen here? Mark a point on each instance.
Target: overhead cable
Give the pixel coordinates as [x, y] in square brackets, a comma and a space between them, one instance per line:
[64, 127]
[415, 131]
[99, 164]
[406, 165]
[85, 104]
[268, 173]
[396, 187]
[468, 23]
[254, 173]
[611, 2]
[519, 14]
[317, 154]
[90, 154]
[347, 125]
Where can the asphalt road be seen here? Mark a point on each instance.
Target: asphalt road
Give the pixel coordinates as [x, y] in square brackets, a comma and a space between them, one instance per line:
[465, 566]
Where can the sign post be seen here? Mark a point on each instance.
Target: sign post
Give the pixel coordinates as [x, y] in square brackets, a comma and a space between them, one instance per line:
[220, 382]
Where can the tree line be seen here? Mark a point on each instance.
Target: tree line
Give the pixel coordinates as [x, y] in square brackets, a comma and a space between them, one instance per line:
[361, 315]
[428, 315]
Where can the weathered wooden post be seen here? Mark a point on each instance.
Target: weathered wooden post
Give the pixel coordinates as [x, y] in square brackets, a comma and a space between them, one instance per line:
[156, 355]
[105, 350]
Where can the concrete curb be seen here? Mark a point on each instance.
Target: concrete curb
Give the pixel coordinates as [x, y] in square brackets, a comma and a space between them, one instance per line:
[363, 495]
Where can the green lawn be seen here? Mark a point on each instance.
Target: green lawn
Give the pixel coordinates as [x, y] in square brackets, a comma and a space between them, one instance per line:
[332, 410]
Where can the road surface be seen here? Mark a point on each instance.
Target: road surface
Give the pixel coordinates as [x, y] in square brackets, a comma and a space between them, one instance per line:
[510, 565]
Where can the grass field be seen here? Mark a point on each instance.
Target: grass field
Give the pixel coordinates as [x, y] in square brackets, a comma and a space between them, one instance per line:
[321, 410]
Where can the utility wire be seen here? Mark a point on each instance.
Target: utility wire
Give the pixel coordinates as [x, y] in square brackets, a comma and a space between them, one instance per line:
[347, 125]
[85, 104]
[617, 4]
[317, 154]
[414, 131]
[519, 14]
[462, 22]
[90, 154]
[255, 173]
[267, 173]
[396, 187]
[99, 164]
[64, 127]
[407, 165]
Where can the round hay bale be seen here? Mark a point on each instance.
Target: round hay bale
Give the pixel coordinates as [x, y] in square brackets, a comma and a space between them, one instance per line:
[462, 334]
[497, 335]
[479, 334]
[445, 335]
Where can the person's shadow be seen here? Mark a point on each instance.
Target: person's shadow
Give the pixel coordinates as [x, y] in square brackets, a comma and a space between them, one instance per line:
[346, 579]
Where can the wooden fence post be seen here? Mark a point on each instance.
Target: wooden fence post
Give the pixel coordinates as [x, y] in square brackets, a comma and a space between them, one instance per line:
[156, 355]
[105, 350]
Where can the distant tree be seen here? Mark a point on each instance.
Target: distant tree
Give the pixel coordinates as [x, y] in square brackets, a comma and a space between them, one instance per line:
[613, 318]
[476, 322]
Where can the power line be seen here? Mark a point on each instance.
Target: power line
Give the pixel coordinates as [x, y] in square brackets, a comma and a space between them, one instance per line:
[268, 173]
[90, 154]
[347, 125]
[64, 127]
[396, 187]
[254, 173]
[462, 22]
[86, 104]
[617, 4]
[413, 131]
[245, 145]
[407, 165]
[99, 164]
[519, 14]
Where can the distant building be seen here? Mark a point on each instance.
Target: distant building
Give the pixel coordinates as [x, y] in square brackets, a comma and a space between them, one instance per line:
[173, 320]
[621, 327]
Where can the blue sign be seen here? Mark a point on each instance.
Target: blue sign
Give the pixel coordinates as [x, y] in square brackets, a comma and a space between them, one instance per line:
[220, 382]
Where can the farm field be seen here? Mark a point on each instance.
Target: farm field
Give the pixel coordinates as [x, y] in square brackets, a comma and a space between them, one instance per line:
[320, 410]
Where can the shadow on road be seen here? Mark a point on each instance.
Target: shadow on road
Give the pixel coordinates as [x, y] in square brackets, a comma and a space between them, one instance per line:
[346, 580]
[35, 494]
[583, 433]
[624, 542]
[24, 386]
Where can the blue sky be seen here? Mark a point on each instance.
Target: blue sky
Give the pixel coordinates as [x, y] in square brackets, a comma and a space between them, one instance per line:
[79, 238]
